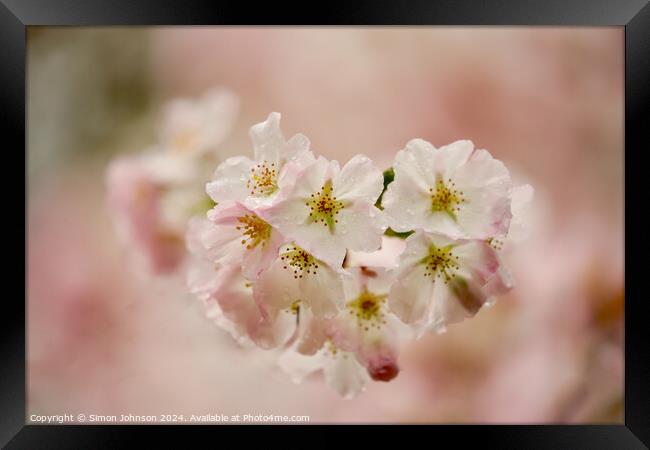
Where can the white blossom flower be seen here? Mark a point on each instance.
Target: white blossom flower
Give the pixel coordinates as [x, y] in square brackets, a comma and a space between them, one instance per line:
[453, 190]
[366, 326]
[331, 209]
[298, 278]
[260, 181]
[442, 280]
[358, 344]
[313, 349]
[227, 295]
[240, 236]
[198, 126]
[341, 370]
[136, 198]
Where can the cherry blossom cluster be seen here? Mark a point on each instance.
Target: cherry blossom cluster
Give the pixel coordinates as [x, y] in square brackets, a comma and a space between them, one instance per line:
[273, 260]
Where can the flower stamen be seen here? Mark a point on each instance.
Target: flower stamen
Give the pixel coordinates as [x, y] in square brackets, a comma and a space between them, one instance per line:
[440, 262]
[367, 308]
[255, 231]
[299, 261]
[324, 207]
[445, 198]
[263, 179]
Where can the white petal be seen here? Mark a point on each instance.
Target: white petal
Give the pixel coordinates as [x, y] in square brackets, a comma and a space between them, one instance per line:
[477, 260]
[450, 157]
[236, 304]
[359, 179]
[229, 180]
[454, 301]
[360, 228]
[417, 164]
[287, 214]
[262, 256]
[406, 206]
[417, 247]
[276, 332]
[223, 240]
[441, 223]
[298, 148]
[485, 183]
[268, 139]
[276, 288]
[322, 291]
[313, 333]
[294, 169]
[410, 296]
[345, 375]
[314, 177]
[445, 309]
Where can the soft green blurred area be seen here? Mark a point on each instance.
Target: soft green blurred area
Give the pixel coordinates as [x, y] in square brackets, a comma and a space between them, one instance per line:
[87, 88]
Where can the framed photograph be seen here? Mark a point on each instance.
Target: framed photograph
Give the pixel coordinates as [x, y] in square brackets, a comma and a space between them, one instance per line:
[346, 214]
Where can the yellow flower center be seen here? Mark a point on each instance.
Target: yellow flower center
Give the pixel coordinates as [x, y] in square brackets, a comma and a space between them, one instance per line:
[263, 179]
[440, 263]
[324, 207]
[367, 308]
[254, 230]
[299, 261]
[445, 198]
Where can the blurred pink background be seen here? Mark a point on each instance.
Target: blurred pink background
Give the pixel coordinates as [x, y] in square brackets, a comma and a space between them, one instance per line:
[546, 101]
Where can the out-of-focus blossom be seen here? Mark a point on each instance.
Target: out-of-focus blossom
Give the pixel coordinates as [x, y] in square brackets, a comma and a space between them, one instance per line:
[192, 126]
[441, 280]
[135, 197]
[455, 190]
[154, 194]
[331, 209]
[261, 180]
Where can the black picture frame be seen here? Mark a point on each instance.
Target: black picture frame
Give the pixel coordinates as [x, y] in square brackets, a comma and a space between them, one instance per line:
[633, 15]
